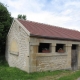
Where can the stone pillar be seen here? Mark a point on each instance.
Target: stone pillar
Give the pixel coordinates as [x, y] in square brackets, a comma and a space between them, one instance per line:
[79, 57]
[68, 50]
[33, 52]
[53, 48]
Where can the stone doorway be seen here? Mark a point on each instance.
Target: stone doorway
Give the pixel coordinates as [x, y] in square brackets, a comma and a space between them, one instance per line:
[74, 57]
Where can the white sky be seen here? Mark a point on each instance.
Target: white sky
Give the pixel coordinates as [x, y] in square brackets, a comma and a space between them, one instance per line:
[63, 13]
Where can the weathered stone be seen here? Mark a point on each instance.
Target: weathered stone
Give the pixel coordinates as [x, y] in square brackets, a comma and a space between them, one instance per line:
[22, 51]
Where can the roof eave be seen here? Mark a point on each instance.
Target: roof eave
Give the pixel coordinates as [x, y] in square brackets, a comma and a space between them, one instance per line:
[55, 38]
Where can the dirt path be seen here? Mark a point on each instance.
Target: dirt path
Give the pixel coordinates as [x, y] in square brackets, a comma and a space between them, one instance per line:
[78, 78]
[55, 77]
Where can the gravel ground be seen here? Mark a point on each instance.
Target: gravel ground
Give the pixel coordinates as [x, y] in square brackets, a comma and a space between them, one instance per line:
[78, 79]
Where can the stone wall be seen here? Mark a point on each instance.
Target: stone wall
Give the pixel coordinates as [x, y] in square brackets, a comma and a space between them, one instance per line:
[51, 63]
[53, 60]
[17, 54]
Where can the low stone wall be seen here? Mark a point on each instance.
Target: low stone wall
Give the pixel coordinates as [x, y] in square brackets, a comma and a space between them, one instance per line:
[57, 62]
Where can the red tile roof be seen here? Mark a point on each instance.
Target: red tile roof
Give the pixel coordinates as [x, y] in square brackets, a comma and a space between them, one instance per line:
[49, 31]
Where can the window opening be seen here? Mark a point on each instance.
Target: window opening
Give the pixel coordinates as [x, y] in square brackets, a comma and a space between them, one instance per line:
[44, 48]
[74, 46]
[60, 48]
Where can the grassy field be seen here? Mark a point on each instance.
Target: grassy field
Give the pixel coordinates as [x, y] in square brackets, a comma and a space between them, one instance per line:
[9, 73]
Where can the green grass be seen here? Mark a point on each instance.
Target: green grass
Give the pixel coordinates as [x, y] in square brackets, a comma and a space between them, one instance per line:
[9, 73]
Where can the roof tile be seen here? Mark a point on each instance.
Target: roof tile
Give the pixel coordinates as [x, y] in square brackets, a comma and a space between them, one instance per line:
[40, 29]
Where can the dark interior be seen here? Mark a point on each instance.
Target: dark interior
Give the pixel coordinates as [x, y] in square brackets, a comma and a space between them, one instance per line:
[43, 46]
[74, 46]
[58, 46]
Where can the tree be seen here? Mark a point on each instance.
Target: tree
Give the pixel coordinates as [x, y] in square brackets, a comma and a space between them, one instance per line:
[5, 23]
[21, 17]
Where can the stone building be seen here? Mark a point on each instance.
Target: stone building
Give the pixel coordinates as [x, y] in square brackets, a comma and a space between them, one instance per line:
[33, 46]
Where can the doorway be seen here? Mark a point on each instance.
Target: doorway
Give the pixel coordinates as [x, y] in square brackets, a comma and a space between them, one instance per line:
[74, 57]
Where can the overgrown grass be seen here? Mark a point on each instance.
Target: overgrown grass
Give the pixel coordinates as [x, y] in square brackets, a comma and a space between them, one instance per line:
[9, 73]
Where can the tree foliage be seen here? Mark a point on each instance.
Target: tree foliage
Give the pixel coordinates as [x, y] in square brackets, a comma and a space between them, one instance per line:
[21, 17]
[5, 23]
